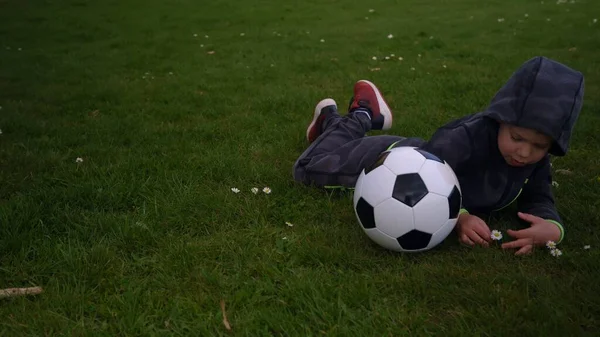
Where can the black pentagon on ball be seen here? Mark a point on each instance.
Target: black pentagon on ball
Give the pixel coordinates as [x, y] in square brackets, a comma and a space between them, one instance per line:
[414, 240]
[378, 162]
[365, 213]
[429, 156]
[409, 189]
[454, 201]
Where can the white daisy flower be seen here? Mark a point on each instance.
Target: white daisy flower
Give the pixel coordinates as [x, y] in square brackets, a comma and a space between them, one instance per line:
[267, 190]
[400, 58]
[242, 34]
[412, 68]
[79, 160]
[392, 55]
[374, 58]
[387, 57]
[551, 245]
[496, 235]
[444, 66]
[201, 46]
[500, 19]
[595, 20]
[235, 190]
[556, 252]
[322, 40]
[371, 10]
[206, 36]
[195, 35]
[289, 224]
[390, 36]
[254, 190]
[586, 247]
[419, 55]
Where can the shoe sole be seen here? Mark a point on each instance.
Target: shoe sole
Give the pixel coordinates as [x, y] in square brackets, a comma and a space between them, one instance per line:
[384, 109]
[322, 104]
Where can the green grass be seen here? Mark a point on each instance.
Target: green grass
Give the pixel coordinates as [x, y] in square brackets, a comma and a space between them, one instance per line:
[145, 237]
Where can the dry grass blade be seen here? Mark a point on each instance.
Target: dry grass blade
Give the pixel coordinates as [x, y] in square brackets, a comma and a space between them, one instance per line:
[565, 172]
[225, 321]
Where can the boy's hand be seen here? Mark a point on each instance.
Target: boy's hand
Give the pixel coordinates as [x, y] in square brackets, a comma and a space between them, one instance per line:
[472, 230]
[540, 232]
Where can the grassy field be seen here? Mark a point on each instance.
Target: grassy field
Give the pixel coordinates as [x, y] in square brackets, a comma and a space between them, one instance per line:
[170, 104]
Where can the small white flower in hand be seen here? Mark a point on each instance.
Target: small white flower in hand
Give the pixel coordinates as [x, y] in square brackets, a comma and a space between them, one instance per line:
[235, 190]
[496, 235]
[79, 160]
[556, 252]
[551, 245]
[254, 190]
[267, 190]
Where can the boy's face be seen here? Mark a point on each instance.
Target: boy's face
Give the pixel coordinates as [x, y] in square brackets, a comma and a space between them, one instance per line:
[522, 146]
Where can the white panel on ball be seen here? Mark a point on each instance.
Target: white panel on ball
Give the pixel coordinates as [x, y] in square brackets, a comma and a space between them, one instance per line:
[357, 187]
[449, 168]
[394, 218]
[442, 233]
[438, 177]
[383, 239]
[431, 213]
[403, 160]
[377, 185]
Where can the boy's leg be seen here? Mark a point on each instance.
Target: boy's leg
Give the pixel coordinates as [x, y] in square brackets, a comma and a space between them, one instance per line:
[340, 152]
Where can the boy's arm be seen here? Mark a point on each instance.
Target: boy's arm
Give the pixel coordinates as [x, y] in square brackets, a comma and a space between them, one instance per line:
[537, 198]
[454, 145]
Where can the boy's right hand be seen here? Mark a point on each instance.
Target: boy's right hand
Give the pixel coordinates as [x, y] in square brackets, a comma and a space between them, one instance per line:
[473, 230]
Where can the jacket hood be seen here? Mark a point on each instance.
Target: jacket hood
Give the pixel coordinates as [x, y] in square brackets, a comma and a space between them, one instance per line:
[543, 95]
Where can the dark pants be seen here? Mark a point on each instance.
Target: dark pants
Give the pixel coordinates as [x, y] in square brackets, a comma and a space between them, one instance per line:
[342, 151]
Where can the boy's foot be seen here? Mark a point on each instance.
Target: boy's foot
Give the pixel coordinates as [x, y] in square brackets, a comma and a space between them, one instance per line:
[367, 97]
[323, 110]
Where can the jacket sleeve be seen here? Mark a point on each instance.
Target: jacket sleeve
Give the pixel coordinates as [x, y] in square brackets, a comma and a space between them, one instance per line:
[537, 198]
[454, 145]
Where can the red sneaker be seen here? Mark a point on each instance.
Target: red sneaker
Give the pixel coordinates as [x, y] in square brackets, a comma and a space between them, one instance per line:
[367, 96]
[323, 109]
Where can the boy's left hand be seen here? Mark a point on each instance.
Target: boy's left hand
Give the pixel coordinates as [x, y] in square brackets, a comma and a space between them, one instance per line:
[540, 232]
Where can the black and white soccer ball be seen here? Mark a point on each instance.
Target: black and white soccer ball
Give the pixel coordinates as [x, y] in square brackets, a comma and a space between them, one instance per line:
[408, 200]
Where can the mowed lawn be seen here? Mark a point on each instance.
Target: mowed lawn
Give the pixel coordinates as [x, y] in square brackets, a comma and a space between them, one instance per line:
[170, 104]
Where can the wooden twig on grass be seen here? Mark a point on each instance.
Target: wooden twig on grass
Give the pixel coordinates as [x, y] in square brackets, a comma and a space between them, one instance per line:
[13, 292]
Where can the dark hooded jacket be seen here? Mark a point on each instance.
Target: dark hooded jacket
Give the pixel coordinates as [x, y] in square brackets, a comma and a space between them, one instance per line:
[543, 95]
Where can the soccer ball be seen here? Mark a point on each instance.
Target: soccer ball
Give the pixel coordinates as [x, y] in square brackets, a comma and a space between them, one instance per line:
[408, 200]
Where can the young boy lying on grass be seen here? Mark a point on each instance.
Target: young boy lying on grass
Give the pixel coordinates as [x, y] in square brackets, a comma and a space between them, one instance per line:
[500, 155]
